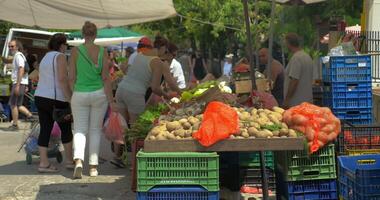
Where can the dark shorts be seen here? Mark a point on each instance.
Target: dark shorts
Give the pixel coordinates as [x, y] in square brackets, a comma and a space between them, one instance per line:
[19, 99]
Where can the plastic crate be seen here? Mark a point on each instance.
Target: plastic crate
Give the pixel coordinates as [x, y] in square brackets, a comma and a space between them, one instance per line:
[178, 193]
[177, 168]
[362, 152]
[348, 89]
[253, 159]
[347, 68]
[359, 177]
[252, 177]
[358, 139]
[347, 102]
[354, 115]
[299, 166]
[306, 190]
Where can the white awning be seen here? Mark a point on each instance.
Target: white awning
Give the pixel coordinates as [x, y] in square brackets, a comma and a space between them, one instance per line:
[71, 14]
[106, 41]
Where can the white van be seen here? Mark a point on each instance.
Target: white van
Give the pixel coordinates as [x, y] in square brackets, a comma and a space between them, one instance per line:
[33, 41]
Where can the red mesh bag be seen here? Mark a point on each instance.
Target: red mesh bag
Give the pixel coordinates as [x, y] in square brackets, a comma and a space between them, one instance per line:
[318, 124]
[219, 122]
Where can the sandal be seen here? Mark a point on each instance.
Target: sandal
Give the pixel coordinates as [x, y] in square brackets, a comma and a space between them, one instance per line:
[78, 171]
[48, 169]
[70, 165]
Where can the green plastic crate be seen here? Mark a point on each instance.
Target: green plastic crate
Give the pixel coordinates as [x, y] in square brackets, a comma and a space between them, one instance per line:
[177, 168]
[253, 159]
[299, 166]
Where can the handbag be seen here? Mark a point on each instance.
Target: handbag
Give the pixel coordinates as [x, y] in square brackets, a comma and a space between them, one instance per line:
[60, 115]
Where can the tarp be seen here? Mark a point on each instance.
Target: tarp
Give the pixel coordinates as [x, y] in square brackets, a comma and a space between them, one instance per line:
[71, 14]
[107, 41]
[115, 32]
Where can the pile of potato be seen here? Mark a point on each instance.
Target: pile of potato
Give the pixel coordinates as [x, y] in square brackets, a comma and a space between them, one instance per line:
[175, 127]
[255, 123]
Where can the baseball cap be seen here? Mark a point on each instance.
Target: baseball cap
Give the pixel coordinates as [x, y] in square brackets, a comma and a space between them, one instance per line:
[229, 55]
[145, 41]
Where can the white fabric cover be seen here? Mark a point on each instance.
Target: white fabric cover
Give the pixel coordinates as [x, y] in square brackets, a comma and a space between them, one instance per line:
[71, 14]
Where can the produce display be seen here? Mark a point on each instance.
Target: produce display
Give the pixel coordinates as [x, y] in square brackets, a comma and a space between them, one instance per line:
[318, 124]
[253, 123]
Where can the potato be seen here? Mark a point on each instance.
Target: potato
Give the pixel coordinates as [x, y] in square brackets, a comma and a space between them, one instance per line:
[292, 133]
[277, 115]
[255, 124]
[152, 137]
[232, 137]
[261, 134]
[183, 120]
[278, 110]
[244, 116]
[178, 137]
[276, 133]
[268, 133]
[239, 137]
[245, 134]
[266, 111]
[170, 136]
[179, 132]
[254, 111]
[188, 133]
[161, 137]
[263, 121]
[155, 131]
[284, 132]
[171, 126]
[274, 119]
[193, 120]
[186, 125]
[252, 131]
[284, 125]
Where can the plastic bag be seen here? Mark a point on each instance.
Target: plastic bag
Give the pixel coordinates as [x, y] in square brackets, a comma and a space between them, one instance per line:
[219, 122]
[318, 124]
[56, 131]
[114, 128]
[260, 99]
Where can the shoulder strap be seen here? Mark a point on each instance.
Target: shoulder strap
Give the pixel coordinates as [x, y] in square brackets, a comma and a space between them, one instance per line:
[83, 52]
[55, 92]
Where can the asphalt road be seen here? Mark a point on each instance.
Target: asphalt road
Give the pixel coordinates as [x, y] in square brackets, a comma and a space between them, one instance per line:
[22, 182]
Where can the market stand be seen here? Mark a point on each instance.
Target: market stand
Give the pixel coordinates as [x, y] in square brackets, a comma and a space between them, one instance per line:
[230, 145]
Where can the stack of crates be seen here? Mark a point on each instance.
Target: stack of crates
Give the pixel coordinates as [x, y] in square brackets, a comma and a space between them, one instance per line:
[177, 175]
[347, 88]
[300, 176]
[359, 177]
[243, 168]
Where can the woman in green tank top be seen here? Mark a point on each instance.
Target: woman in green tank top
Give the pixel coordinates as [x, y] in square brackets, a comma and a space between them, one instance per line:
[92, 94]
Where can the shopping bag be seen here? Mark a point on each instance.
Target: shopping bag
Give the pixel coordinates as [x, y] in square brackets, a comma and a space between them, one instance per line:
[219, 122]
[114, 128]
[55, 131]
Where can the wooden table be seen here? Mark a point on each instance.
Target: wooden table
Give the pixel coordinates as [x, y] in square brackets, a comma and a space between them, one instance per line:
[250, 145]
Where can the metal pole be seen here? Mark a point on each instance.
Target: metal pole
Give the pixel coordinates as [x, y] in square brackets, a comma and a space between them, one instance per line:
[249, 44]
[271, 29]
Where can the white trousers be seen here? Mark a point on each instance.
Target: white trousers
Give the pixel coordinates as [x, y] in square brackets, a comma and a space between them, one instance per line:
[88, 110]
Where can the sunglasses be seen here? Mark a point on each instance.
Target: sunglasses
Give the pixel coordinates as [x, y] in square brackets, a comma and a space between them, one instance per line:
[11, 46]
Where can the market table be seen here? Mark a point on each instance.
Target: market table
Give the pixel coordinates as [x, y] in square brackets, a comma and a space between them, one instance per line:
[246, 144]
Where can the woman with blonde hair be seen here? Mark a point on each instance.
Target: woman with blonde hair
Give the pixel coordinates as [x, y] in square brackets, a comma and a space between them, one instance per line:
[89, 78]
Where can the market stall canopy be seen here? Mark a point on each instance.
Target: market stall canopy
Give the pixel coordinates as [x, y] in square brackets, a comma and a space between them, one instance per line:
[299, 1]
[109, 33]
[107, 41]
[71, 14]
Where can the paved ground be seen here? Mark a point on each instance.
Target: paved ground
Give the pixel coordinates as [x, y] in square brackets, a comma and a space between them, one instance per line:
[22, 182]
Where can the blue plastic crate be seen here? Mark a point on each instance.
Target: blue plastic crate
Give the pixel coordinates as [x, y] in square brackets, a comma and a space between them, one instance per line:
[348, 89]
[306, 190]
[354, 115]
[359, 177]
[346, 102]
[178, 193]
[347, 68]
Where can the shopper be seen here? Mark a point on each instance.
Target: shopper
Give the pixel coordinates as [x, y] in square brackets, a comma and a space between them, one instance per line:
[146, 71]
[53, 91]
[19, 84]
[298, 74]
[277, 75]
[175, 66]
[198, 66]
[89, 78]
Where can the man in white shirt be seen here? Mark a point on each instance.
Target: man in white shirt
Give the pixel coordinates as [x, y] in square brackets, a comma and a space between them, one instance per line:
[19, 84]
[175, 66]
[227, 66]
